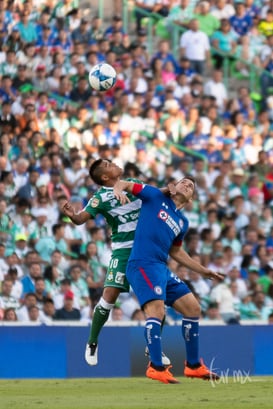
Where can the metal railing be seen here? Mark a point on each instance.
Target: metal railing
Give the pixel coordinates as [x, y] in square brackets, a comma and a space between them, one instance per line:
[254, 71]
[181, 148]
[127, 7]
[190, 152]
[127, 14]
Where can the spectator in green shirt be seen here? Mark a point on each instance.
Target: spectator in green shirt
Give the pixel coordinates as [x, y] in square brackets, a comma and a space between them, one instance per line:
[180, 14]
[207, 22]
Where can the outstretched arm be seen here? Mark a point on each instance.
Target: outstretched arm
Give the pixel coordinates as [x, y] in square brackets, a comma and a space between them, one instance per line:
[76, 218]
[124, 185]
[180, 255]
[120, 187]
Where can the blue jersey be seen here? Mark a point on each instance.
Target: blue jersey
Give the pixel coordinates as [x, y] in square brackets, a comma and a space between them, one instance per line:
[241, 25]
[160, 225]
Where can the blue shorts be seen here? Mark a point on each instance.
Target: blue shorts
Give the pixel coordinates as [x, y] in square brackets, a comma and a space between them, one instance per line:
[154, 281]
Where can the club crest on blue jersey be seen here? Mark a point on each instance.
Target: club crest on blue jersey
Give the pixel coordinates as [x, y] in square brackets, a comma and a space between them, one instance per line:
[158, 290]
[165, 217]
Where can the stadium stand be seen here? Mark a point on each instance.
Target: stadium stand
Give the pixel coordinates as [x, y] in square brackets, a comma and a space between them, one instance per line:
[163, 119]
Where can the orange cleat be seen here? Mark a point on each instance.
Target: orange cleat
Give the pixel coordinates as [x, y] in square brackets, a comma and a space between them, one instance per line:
[201, 372]
[162, 376]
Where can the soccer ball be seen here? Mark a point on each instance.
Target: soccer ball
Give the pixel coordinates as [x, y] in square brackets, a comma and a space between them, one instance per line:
[102, 77]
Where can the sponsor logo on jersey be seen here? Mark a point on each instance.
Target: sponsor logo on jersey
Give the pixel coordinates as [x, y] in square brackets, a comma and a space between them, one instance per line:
[110, 195]
[119, 278]
[163, 215]
[158, 290]
[95, 202]
[113, 202]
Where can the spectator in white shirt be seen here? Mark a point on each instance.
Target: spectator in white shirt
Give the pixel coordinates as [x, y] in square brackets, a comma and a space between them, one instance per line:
[222, 9]
[20, 174]
[194, 44]
[234, 276]
[30, 300]
[222, 295]
[132, 121]
[199, 284]
[17, 286]
[6, 299]
[216, 88]
[11, 260]
[75, 176]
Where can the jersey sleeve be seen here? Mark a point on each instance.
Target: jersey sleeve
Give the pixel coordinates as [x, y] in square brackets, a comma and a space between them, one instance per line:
[178, 241]
[93, 206]
[137, 188]
[146, 192]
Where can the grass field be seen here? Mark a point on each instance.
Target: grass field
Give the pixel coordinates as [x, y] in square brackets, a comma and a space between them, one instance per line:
[138, 393]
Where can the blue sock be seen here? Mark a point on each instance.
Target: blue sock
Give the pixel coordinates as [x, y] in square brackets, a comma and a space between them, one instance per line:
[190, 332]
[152, 334]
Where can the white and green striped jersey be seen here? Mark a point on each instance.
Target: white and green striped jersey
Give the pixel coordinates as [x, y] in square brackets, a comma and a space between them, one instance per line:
[121, 218]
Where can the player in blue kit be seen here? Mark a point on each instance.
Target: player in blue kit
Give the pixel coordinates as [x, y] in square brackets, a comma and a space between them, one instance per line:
[159, 233]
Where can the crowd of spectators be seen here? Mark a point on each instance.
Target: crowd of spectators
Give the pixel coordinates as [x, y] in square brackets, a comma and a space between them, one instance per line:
[163, 119]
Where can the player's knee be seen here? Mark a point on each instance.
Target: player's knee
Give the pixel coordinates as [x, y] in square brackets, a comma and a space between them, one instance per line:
[192, 310]
[195, 310]
[154, 309]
